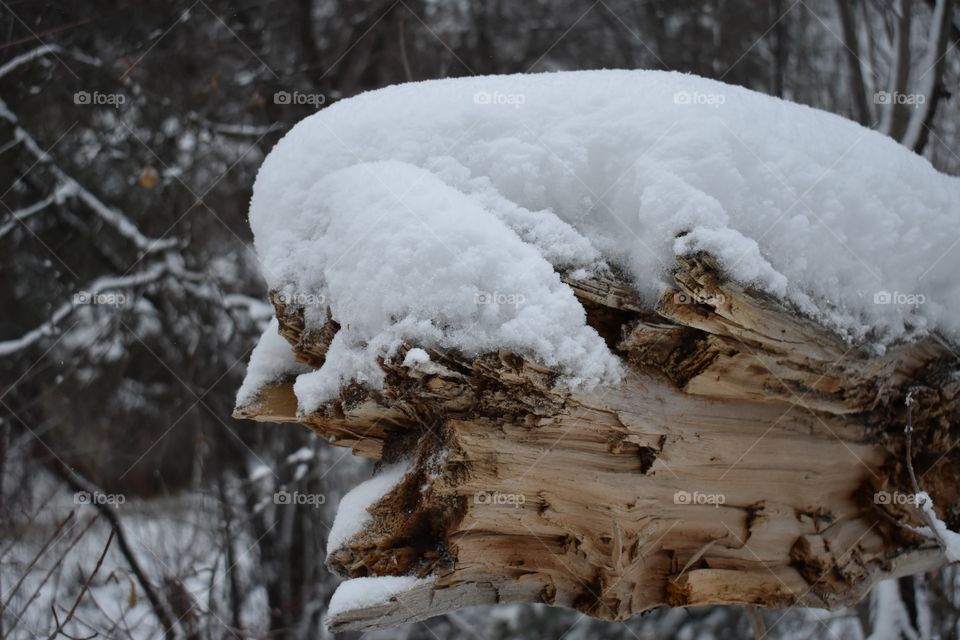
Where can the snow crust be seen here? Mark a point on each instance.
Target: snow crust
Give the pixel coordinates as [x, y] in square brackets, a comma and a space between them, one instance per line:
[440, 213]
[352, 515]
[365, 592]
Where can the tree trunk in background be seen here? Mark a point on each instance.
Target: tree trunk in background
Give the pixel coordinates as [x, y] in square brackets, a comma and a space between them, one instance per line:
[858, 90]
[749, 457]
[779, 63]
[897, 114]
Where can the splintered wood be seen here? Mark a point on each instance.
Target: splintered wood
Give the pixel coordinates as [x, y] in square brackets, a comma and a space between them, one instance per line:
[749, 457]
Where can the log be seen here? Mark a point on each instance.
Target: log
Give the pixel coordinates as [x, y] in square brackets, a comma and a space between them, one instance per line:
[750, 456]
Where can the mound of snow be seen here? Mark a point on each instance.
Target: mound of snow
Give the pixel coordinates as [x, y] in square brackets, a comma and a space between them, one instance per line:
[440, 213]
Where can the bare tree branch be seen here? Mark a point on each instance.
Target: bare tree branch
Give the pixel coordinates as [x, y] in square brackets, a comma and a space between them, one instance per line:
[86, 585]
[17, 217]
[106, 283]
[53, 537]
[63, 556]
[78, 483]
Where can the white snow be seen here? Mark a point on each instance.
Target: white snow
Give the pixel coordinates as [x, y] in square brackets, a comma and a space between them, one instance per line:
[404, 256]
[365, 592]
[303, 454]
[438, 213]
[949, 539]
[271, 360]
[352, 514]
[416, 357]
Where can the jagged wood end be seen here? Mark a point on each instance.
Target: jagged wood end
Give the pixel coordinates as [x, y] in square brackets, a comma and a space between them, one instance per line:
[737, 463]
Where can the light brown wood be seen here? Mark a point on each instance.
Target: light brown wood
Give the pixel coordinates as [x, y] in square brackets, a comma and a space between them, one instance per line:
[737, 463]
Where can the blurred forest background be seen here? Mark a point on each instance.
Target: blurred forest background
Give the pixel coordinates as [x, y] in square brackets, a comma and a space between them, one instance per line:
[130, 136]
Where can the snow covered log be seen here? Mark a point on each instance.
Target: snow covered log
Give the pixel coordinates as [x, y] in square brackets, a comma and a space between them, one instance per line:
[612, 362]
[747, 459]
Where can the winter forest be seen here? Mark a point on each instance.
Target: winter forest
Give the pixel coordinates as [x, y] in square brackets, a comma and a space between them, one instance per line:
[668, 348]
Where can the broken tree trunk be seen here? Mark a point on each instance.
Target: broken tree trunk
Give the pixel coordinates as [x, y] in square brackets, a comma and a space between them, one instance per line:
[749, 457]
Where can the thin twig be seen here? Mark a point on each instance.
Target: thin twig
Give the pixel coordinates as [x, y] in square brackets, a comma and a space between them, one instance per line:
[29, 569]
[908, 433]
[79, 483]
[56, 565]
[83, 590]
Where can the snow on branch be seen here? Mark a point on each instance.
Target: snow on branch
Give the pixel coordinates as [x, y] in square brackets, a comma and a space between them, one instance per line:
[100, 292]
[20, 215]
[937, 530]
[66, 186]
[47, 49]
[257, 309]
[119, 221]
[87, 295]
[115, 218]
[250, 130]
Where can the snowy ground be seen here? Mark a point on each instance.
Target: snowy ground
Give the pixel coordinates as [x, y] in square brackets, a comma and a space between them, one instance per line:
[44, 567]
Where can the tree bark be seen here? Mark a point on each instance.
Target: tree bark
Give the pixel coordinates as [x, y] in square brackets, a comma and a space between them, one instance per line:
[738, 463]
